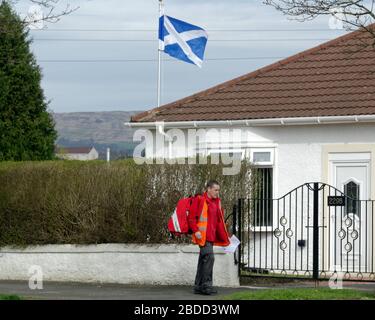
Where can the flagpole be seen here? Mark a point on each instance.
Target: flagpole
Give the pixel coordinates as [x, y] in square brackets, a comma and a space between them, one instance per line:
[159, 57]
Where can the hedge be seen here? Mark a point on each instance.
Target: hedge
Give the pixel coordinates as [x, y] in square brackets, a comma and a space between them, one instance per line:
[77, 202]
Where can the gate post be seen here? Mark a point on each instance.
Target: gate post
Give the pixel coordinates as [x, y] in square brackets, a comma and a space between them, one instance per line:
[239, 211]
[316, 232]
[234, 229]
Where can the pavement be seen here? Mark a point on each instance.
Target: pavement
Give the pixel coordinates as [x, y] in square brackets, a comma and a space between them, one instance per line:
[95, 291]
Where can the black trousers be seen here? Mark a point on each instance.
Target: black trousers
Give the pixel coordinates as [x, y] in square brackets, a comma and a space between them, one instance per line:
[203, 278]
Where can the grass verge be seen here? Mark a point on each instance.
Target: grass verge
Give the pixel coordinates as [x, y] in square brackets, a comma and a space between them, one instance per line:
[302, 294]
[9, 297]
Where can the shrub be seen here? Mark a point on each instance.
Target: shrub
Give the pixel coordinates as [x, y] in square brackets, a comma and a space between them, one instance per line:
[62, 202]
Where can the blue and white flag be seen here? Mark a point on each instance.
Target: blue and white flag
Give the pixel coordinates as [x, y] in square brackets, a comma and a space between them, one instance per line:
[182, 40]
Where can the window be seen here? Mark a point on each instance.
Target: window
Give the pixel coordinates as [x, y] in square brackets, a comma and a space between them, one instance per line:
[235, 153]
[262, 197]
[261, 156]
[351, 190]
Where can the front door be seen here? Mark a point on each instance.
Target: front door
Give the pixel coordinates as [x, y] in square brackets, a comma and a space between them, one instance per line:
[349, 224]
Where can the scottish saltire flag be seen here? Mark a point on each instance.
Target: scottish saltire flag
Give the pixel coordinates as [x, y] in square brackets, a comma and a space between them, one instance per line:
[182, 40]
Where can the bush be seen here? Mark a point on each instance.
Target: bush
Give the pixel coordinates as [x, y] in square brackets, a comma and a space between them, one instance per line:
[74, 202]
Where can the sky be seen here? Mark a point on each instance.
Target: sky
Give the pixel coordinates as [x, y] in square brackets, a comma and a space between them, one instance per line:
[85, 56]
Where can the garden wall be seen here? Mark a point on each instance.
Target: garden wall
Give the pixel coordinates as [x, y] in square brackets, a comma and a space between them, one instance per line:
[154, 264]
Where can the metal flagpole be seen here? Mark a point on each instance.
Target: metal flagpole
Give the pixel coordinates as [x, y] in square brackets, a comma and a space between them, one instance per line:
[161, 12]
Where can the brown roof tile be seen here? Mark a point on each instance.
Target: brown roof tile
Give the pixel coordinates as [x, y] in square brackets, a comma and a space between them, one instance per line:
[74, 150]
[333, 79]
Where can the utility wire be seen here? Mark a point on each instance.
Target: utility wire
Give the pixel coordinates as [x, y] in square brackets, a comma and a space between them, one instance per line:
[149, 40]
[152, 60]
[10, 61]
[212, 30]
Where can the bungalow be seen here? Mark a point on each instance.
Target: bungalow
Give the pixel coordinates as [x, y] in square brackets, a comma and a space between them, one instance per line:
[77, 153]
[308, 123]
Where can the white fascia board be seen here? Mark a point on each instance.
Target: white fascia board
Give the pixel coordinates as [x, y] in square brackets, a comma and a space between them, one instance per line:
[256, 122]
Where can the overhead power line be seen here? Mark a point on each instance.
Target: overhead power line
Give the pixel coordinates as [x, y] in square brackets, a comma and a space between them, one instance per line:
[152, 60]
[212, 30]
[9, 61]
[149, 40]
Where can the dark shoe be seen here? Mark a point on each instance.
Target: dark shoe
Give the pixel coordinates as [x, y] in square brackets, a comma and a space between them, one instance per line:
[206, 292]
[213, 291]
[197, 291]
[202, 291]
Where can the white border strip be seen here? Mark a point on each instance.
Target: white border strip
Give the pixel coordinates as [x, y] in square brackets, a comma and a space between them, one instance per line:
[257, 122]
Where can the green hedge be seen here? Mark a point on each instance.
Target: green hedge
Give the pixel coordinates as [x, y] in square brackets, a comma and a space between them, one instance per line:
[75, 202]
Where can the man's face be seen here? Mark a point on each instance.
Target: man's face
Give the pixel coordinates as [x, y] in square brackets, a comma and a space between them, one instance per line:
[213, 192]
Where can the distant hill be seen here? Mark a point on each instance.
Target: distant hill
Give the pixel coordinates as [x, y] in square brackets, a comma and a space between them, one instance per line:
[100, 129]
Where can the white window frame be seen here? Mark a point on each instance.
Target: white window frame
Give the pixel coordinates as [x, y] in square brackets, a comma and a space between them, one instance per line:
[263, 163]
[227, 150]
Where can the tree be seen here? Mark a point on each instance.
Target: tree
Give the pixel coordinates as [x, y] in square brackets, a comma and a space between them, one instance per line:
[354, 14]
[26, 127]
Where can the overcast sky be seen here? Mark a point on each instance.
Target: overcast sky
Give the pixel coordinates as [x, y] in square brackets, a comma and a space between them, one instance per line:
[119, 85]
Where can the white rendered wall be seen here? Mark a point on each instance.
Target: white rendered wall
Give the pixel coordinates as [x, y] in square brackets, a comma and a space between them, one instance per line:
[298, 159]
[298, 148]
[116, 263]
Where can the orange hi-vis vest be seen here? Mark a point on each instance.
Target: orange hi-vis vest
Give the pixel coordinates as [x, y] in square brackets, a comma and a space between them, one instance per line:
[202, 226]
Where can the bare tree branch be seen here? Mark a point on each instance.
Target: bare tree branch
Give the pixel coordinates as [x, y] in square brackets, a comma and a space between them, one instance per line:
[49, 11]
[353, 14]
[53, 15]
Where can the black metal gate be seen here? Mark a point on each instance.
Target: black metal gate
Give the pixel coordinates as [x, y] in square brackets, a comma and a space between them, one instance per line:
[313, 231]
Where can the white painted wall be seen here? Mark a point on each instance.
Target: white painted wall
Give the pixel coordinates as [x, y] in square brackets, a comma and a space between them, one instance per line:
[298, 159]
[298, 148]
[116, 263]
[92, 155]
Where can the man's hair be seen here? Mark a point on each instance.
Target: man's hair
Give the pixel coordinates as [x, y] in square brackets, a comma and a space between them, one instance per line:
[211, 183]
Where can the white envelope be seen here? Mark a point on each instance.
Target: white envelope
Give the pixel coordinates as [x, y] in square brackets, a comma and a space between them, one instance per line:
[234, 242]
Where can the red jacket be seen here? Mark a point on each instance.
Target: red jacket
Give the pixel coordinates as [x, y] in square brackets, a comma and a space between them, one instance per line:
[216, 230]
